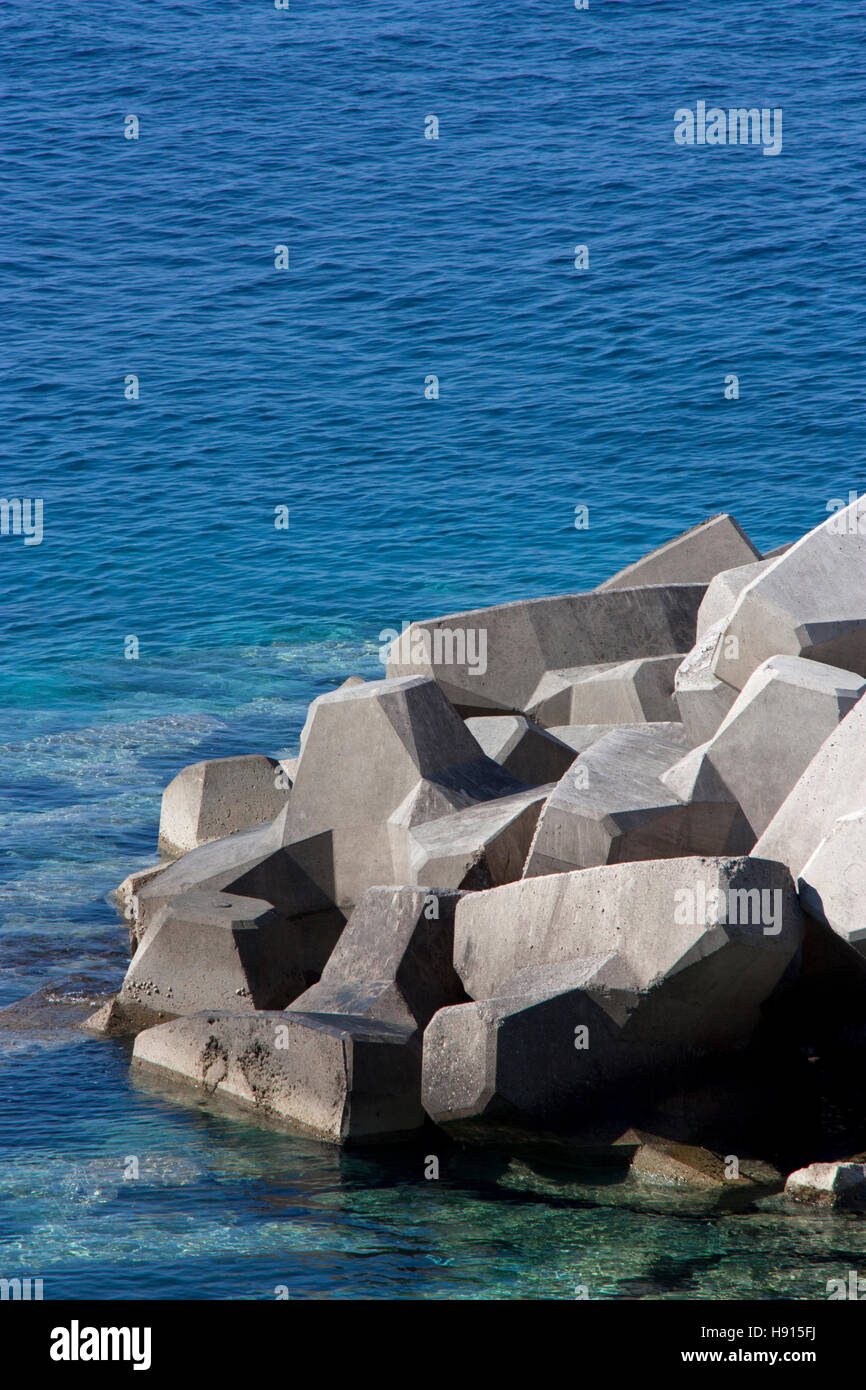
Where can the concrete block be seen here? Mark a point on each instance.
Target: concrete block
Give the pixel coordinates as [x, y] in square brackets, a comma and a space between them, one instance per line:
[342, 1079]
[366, 750]
[723, 591]
[503, 653]
[212, 950]
[480, 847]
[612, 805]
[777, 724]
[533, 755]
[571, 1035]
[832, 882]
[625, 692]
[212, 799]
[810, 602]
[692, 558]
[830, 787]
[657, 915]
[393, 962]
[702, 699]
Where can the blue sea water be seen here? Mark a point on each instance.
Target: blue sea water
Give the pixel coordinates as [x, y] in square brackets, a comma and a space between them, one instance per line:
[305, 389]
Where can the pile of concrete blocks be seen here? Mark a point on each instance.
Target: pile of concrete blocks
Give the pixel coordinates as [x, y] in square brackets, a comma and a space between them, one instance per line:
[344, 1061]
[555, 872]
[605, 982]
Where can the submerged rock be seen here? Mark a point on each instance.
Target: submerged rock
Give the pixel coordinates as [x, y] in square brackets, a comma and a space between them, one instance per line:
[666, 1163]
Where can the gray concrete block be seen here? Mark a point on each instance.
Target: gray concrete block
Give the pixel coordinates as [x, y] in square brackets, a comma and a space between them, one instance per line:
[394, 960]
[477, 848]
[376, 759]
[832, 882]
[515, 644]
[830, 787]
[612, 805]
[212, 799]
[343, 1079]
[692, 558]
[810, 602]
[579, 737]
[512, 1059]
[559, 1040]
[533, 755]
[702, 699]
[625, 692]
[657, 915]
[723, 591]
[212, 950]
[780, 719]
[252, 863]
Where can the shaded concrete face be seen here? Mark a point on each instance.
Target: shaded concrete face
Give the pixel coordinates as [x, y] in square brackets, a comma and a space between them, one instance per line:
[512, 1059]
[534, 756]
[212, 950]
[556, 1046]
[394, 960]
[695, 557]
[525, 641]
[830, 787]
[213, 866]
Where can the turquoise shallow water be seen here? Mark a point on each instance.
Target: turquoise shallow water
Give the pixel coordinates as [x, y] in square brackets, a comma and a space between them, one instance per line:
[260, 389]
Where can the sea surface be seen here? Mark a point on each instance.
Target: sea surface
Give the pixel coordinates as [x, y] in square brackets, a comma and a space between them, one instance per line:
[165, 617]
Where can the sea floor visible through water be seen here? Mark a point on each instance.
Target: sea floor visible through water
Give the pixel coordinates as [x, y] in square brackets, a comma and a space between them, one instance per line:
[114, 1187]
